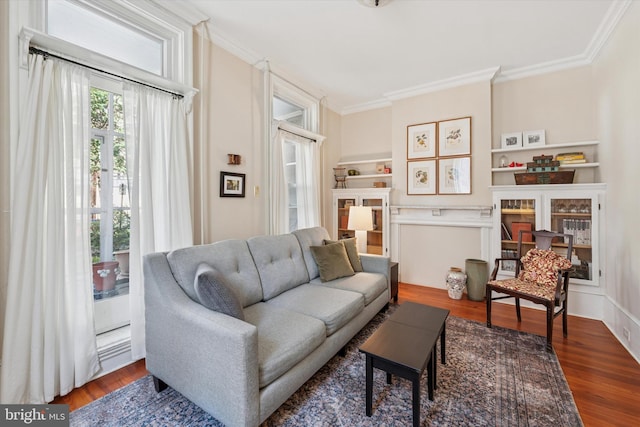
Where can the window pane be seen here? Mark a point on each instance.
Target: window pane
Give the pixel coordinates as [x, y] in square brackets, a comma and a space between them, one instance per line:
[283, 110]
[95, 171]
[99, 109]
[85, 28]
[118, 114]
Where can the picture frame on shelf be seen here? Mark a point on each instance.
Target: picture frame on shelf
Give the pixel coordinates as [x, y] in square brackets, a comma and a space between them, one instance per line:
[533, 138]
[421, 177]
[454, 137]
[454, 175]
[511, 141]
[421, 141]
[232, 184]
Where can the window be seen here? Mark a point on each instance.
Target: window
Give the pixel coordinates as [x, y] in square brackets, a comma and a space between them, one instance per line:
[89, 29]
[292, 105]
[110, 208]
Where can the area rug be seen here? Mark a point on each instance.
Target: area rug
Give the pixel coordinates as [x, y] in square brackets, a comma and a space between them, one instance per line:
[493, 377]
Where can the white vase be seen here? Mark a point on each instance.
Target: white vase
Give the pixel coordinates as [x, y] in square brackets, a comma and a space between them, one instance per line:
[456, 281]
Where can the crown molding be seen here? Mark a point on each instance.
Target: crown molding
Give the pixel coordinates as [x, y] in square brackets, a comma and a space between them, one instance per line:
[366, 106]
[542, 68]
[609, 23]
[477, 76]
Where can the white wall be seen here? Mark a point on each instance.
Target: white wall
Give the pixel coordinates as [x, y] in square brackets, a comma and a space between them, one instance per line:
[617, 99]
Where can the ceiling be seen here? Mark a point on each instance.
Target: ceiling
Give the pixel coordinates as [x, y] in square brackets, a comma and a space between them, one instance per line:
[358, 57]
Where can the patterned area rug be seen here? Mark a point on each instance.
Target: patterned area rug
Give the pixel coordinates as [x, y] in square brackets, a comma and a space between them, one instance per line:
[493, 377]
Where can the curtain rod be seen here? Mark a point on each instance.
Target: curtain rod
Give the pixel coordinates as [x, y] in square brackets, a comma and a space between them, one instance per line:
[297, 134]
[47, 54]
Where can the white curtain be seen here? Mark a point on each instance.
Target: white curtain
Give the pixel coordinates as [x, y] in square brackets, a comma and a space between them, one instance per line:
[49, 339]
[307, 178]
[158, 146]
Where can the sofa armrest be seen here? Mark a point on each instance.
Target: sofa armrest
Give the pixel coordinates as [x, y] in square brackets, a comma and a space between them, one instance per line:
[209, 357]
[378, 264]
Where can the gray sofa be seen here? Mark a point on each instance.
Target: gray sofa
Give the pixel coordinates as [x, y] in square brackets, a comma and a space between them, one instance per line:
[241, 371]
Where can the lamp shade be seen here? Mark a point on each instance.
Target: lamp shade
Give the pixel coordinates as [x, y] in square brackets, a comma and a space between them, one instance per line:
[360, 218]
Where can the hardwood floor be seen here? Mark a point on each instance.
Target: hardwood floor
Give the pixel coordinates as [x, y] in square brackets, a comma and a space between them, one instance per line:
[604, 378]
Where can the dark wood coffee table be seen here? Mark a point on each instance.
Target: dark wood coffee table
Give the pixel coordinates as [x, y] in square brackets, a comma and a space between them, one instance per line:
[404, 345]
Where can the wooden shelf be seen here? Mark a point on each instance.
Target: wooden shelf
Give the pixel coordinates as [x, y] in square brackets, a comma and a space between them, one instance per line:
[572, 215]
[518, 211]
[524, 168]
[555, 245]
[375, 175]
[545, 147]
[363, 162]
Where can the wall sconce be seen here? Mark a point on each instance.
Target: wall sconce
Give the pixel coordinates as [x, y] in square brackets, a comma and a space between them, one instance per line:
[234, 159]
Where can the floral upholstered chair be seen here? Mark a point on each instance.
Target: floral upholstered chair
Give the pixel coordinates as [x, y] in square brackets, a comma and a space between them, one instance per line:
[541, 276]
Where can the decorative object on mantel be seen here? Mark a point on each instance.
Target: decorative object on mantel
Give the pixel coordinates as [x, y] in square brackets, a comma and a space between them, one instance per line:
[234, 159]
[340, 176]
[544, 170]
[533, 138]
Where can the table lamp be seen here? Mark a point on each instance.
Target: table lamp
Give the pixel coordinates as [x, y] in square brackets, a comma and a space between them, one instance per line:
[361, 221]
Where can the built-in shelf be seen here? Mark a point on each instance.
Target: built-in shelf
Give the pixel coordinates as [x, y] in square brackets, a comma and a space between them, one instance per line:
[569, 166]
[375, 175]
[541, 148]
[362, 162]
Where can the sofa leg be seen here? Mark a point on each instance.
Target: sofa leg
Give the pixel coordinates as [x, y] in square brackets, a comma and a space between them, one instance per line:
[158, 384]
[343, 351]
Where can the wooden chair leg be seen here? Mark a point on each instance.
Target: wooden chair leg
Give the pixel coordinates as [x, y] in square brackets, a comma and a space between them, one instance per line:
[564, 318]
[549, 327]
[488, 298]
[518, 310]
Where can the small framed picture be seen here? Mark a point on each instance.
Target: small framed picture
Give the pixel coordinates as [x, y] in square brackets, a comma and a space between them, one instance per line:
[511, 140]
[421, 141]
[421, 177]
[454, 175]
[348, 203]
[232, 184]
[454, 137]
[533, 138]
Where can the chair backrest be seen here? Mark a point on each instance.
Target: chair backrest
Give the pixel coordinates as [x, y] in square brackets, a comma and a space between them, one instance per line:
[542, 239]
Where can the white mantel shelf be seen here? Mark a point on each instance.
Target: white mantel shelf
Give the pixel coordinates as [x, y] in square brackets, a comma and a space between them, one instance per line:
[483, 211]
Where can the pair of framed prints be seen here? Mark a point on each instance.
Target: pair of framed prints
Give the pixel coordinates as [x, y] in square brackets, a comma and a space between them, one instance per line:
[439, 157]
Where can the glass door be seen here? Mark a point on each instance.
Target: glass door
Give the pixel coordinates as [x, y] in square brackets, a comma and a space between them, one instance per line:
[515, 214]
[574, 216]
[374, 237]
[343, 217]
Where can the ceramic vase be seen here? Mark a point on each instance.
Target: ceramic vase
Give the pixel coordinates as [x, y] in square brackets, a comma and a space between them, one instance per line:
[456, 280]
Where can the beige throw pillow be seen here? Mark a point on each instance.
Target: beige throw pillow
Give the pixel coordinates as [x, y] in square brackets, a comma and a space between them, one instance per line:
[352, 252]
[332, 261]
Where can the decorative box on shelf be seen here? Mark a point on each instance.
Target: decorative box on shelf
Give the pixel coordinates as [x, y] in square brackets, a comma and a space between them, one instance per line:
[544, 170]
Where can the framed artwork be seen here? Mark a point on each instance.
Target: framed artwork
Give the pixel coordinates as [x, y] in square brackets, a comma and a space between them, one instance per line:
[533, 138]
[421, 141]
[454, 175]
[454, 137]
[232, 184]
[421, 177]
[511, 140]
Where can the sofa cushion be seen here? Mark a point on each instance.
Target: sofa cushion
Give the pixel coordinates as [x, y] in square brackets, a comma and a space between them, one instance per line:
[352, 251]
[279, 262]
[229, 257]
[308, 237]
[214, 293]
[284, 339]
[332, 260]
[335, 307]
[370, 285]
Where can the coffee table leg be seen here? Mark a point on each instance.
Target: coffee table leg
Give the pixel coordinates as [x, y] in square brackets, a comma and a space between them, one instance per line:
[416, 401]
[388, 378]
[434, 363]
[442, 343]
[431, 374]
[369, 385]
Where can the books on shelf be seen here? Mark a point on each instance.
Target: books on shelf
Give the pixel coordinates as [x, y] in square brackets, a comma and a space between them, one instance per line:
[509, 265]
[573, 162]
[580, 229]
[505, 233]
[525, 226]
[576, 155]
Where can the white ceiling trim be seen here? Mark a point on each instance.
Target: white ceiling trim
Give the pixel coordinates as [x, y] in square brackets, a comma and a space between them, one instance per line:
[609, 23]
[543, 68]
[448, 83]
